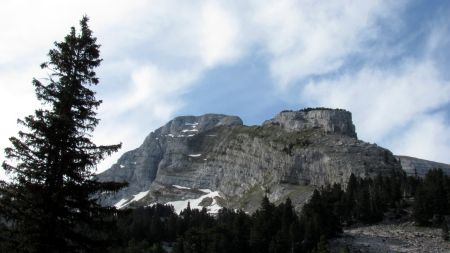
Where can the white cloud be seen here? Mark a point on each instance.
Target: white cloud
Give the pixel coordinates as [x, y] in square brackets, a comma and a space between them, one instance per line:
[306, 38]
[400, 106]
[156, 51]
[427, 137]
[152, 98]
[219, 34]
[382, 101]
[392, 108]
[158, 48]
[15, 102]
[153, 88]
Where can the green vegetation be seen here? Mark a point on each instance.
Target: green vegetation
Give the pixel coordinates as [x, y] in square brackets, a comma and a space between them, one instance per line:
[287, 141]
[432, 198]
[271, 228]
[321, 108]
[51, 203]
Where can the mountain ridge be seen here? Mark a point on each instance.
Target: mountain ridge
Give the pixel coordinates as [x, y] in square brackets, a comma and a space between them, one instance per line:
[287, 156]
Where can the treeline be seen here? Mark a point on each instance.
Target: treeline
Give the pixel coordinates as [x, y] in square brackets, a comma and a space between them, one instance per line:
[279, 228]
[270, 229]
[431, 198]
[50, 204]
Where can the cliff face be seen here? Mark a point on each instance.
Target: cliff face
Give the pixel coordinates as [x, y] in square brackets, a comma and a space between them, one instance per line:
[419, 167]
[330, 121]
[288, 155]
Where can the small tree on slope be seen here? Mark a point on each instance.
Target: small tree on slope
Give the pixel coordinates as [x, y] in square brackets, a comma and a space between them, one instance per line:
[51, 203]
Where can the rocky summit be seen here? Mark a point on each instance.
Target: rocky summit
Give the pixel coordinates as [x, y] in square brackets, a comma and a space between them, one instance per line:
[215, 161]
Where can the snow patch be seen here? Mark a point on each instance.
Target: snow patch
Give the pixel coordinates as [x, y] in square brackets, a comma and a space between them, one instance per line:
[181, 187]
[121, 203]
[194, 203]
[170, 135]
[191, 124]
[125, 202]
[189, 130]
[122, 166]
[182, 135]
[139, 196]
[195, 155]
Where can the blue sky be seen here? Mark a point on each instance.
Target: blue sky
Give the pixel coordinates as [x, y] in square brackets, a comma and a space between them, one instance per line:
[388, 62]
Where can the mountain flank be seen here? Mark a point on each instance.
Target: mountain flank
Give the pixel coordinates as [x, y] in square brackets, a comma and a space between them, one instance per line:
[215, 161]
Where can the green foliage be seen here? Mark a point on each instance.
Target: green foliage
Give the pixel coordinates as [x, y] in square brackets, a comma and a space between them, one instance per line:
[51, 202]
[444, 231]
[322, 246]
[344, 250]
[365, 200]
[432, 198]
[271, 228]
[321, 108]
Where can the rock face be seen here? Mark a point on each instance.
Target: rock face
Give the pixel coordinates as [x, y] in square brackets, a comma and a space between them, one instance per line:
[419, 167]
[330, 121]
[288, 156]
[394, 237]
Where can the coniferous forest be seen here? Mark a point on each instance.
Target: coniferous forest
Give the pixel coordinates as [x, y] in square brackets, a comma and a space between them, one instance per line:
[51, 203]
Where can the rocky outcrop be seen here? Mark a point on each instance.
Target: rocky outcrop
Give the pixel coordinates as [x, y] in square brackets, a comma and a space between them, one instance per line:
[381, 238]
[289, 155]
[335, 121]
[419, 167]
[139, 167]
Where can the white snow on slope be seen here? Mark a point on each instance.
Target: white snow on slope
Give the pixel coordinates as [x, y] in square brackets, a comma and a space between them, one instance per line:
[192, 124]
[182, 135]
[125, 202]
[180, 205]
[121, 203]
[181, 187]
[122, 166]
[195, 155]
[139, 196]
[189, 130]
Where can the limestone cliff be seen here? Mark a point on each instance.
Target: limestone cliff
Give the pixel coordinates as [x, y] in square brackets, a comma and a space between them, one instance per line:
[288, 155]
[419, 167]
[329, 120]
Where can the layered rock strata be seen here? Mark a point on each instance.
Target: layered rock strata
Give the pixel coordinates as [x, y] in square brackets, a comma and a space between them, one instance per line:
[287, 156]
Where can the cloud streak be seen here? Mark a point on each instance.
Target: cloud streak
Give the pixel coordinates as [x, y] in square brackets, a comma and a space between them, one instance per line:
[330, 53]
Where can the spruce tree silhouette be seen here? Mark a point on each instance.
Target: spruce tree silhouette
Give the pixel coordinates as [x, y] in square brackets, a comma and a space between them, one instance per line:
[51, 202]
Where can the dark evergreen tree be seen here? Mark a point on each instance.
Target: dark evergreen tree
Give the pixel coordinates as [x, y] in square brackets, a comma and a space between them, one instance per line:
[51, 203]
[262, 227]
[344, 250]
[322, 246]
[431, 198]
[240, 232]
[444, 231]
[348, 200]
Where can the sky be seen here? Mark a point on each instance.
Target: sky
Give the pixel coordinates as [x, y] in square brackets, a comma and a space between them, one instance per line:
[388, 62]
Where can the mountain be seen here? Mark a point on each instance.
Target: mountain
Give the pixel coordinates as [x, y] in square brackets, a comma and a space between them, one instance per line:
[419, 167]
[215, 161]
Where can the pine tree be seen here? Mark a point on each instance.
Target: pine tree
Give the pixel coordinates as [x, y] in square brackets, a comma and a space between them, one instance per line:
[344, 250]
[444, 231]
[51, 203]
[322, 245]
